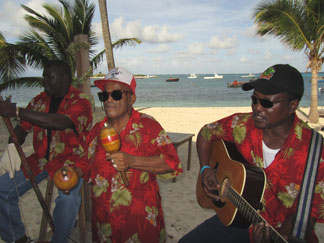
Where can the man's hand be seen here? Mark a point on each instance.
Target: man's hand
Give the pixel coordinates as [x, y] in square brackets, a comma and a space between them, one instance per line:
[78, 171]
[121, 161]
[261, 233]
[7, 109]
[210, 185]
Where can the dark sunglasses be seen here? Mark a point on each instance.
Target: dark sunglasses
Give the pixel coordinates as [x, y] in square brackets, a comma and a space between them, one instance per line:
[115, 94]
[264, 102]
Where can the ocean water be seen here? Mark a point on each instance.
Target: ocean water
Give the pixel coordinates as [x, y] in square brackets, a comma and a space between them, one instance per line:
[199, 92]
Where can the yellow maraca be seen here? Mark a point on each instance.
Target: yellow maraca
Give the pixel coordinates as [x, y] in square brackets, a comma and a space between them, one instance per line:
[111, 143]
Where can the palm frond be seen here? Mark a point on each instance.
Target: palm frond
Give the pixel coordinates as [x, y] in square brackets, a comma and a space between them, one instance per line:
[97, 59]
[127, 41]
[12, 63]
[29, 82]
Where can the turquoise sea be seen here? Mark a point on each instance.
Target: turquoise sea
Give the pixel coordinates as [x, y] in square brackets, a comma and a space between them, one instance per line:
[198, 92]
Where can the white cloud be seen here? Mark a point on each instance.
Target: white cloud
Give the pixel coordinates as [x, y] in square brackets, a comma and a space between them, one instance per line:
[250, 31]
[196, 48]
[192, 51]
[226, 43]
[37, 5]
[148, 33]
[11, 24]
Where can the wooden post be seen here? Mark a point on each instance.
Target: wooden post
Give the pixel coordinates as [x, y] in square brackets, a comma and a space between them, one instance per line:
[82, 65]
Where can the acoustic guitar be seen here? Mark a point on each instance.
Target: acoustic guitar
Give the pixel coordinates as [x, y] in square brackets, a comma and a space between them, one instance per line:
[242, 188]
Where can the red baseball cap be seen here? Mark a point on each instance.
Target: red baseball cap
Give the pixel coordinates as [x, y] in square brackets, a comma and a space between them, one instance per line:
[119, 75]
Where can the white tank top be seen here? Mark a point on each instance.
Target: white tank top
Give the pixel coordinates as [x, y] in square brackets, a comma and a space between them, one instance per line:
[268, 154]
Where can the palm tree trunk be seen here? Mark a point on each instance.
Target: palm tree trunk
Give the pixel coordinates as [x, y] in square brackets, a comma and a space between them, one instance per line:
[313, 111]
[106, 34]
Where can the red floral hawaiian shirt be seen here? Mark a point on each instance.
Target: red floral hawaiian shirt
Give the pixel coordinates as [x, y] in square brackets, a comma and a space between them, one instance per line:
[66, 148]
[133, 213]
[284, 174]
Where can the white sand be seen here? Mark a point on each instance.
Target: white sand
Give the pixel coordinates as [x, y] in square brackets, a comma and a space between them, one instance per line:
[181, 211]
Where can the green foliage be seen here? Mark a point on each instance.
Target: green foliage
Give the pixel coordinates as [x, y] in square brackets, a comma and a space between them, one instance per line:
[299, 24]
[11, 63]
[50, 37]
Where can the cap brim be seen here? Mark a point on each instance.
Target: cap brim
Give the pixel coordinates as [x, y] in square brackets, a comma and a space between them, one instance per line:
[262, 85]
[100, 83]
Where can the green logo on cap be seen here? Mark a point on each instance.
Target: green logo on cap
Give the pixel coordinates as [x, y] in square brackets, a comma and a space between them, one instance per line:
[267, 74]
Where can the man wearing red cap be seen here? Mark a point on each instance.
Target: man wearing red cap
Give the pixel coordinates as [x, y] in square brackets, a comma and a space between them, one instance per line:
[132, 213]
[273, 138]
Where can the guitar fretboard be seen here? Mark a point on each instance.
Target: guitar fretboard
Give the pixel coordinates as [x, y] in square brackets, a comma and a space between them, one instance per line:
[250, 213]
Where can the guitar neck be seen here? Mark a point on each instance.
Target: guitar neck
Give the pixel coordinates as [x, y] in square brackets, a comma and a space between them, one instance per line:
[250, 213]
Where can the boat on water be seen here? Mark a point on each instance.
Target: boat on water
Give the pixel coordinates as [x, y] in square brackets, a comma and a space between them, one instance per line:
[250, 75]
[140, 76]
[235, 84]
[192, 76]
[172, 79]
[216, 76]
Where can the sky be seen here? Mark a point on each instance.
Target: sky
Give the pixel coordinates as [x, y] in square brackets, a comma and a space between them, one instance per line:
[178, 36]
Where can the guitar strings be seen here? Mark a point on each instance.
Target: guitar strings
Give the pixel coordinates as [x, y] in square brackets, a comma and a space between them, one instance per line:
[240, 202]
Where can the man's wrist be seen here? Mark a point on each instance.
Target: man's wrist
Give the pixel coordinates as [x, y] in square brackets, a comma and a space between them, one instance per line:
[203, 168]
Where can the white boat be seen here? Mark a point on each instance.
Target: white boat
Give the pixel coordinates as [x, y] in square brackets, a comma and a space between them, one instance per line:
[142, 76]
[248, 76]
[192, 75]
[216, 76]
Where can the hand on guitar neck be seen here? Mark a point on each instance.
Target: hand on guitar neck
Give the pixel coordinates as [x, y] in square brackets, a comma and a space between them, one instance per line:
[261, 231]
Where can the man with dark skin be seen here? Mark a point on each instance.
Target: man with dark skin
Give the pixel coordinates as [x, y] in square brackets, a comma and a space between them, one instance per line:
[60, 118]
[273, 138]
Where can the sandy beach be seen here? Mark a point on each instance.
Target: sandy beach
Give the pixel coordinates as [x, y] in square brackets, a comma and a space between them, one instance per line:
[181, 210]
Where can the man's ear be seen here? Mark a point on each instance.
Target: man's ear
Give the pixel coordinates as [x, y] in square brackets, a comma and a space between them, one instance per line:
[133, 99]
[293, 105]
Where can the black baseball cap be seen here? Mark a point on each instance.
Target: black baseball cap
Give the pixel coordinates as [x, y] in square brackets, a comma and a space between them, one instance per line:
[276, 79]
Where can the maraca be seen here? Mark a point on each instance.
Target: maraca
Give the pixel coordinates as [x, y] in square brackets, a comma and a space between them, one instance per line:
[65, 178]
[111, 143]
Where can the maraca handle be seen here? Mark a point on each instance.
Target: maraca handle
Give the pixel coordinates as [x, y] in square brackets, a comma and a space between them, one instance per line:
[124, 177]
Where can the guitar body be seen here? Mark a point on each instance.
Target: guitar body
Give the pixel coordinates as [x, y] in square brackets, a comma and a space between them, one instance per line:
[231, 171]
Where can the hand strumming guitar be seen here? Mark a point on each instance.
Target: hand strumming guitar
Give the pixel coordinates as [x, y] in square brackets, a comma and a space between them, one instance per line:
[210, 185]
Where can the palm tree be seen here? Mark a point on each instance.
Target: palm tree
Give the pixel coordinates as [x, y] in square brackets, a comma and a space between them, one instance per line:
[300, 25]
[51, 37]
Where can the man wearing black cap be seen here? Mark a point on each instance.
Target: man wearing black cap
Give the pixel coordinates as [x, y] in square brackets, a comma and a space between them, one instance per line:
[273, 138]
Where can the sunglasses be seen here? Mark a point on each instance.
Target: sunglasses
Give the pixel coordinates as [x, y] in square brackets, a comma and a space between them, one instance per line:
[115, 94]
[264, 102]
